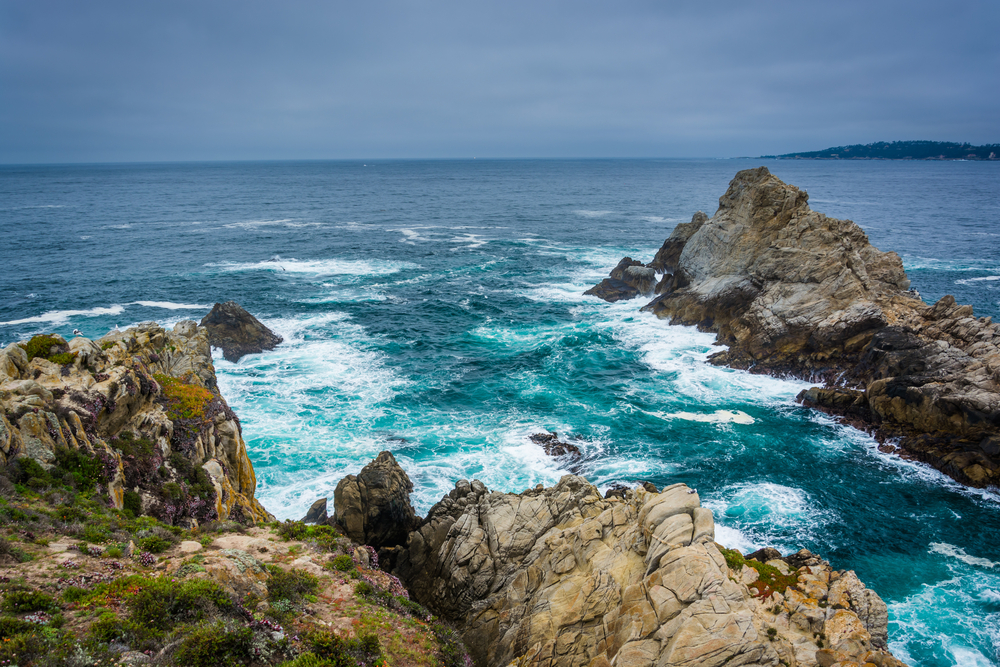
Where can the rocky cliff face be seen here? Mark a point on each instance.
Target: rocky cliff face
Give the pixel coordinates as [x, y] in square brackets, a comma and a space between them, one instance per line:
[561, 576]
[144, 402]
[793, 292]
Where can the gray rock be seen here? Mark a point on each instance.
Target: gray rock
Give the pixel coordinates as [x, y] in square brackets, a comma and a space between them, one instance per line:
[316, 512]
[237, 332]
[373, 507]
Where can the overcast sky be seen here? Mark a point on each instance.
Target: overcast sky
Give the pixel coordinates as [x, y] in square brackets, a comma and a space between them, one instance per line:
[139, 80]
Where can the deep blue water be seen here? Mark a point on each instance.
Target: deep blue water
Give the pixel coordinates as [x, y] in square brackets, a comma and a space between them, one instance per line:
[435, 308]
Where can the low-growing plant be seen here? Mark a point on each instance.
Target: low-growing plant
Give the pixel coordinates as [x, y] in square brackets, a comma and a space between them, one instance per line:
[343, 563]
[22, 601]
[770, 579]
[290, 584]
[48, 347]
[216, 645]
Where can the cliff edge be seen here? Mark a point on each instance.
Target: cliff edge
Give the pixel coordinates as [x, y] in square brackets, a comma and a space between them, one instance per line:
[144, 402]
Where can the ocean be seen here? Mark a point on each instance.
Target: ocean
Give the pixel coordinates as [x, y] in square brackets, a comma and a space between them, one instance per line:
[436, 309]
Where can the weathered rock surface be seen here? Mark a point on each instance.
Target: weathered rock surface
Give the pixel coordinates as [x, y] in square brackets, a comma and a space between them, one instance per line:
[553, 446]
[316, 512]
[561, 576]
[373, 507]
[793, 292]
[237, 332]
[180, 466]
[628, 280]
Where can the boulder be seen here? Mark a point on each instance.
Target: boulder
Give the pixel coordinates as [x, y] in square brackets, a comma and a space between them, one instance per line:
[316, 512]
[553, 446]
[628, 279]
[237, 332]
[373, 507]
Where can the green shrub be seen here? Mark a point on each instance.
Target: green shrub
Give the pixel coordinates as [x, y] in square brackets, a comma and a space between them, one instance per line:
[344, 563]
[161, 603]
[110, 628]
[216, 645]
[770, 580]
[84, 471]
[132, 502]
[291, 584]
[23, 601]
[335, 650]
[183, 401]
[23, 648]
[10, 626]
[154, 544]
[48, 347]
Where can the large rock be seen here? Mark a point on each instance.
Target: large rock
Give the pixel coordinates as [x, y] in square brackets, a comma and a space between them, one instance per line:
[237, 332]
[116, 401]
[628, 280]
[561, 576]
[373, 507]
[790, 291]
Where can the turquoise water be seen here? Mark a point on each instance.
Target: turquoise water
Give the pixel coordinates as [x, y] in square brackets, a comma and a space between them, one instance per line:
[436, 309]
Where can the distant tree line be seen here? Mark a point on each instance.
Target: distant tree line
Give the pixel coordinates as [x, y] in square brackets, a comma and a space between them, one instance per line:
[901, 150]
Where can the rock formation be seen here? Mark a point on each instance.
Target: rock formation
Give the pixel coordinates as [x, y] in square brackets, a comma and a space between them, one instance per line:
[793, 292]
[373, 507]
[143, 401]
[628, 280]
[561, 576]
[237, 332]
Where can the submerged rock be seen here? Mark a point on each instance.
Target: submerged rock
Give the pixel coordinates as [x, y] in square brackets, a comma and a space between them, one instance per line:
[236, 332]
[373, 507]
[561, 576]
[553, 446]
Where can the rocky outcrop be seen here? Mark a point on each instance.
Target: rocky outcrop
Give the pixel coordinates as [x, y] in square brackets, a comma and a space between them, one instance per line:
[316, 512]
[792, 292]
[668, 256]
[237, 332]
[561, 576]
[143, 401]
[373, 507]
[628, 280]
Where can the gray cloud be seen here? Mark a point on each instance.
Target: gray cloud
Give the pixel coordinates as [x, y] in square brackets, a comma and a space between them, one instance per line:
[112, 81]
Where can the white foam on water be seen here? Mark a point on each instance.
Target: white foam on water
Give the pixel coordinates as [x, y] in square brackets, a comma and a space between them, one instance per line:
[913, 263]
[937, 620]
[473, 241]
[593, 214]
[319, 267]
[84, 238]
[717, 417]
[958, 553]
[170, 305]
[968, 281]
[62, 316]
[255, 224]
[410, 235]
[764, 505]
[659, 218]
[731, 538]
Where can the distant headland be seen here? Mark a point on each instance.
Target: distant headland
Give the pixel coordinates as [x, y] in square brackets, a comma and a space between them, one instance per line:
[900, 150]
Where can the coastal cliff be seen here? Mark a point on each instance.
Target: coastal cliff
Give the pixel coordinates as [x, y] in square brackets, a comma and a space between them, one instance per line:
[792, 292]
[562, 576]
[144, 402]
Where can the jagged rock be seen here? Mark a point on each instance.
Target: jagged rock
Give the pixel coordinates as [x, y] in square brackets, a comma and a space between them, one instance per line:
[554, 447]
[561, 576]
[669, 254]
[237, 332]
[108, 401]
[764, 555]
[316, 512]
[790, 291]
[628, 280]
[373, 506]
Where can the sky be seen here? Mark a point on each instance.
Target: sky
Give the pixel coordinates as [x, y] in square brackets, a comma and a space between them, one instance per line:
[106, 81]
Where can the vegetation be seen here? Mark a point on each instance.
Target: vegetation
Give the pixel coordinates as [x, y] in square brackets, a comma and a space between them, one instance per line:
[48, 347]
[770, 579]
[183, 401]
[902, 150]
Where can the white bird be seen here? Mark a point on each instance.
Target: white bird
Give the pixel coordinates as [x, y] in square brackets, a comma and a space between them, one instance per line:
[116, 327]
[77, 332]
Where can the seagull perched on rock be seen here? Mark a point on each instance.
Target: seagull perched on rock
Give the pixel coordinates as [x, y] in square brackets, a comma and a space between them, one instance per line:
[77, 332]
[690, 491]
